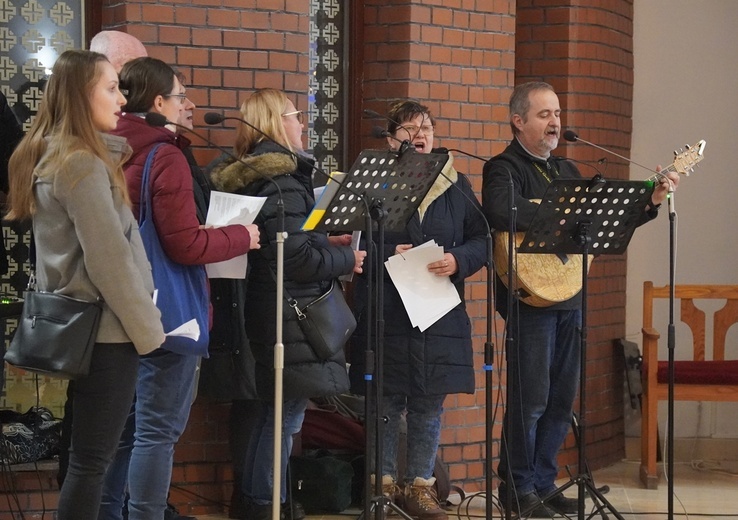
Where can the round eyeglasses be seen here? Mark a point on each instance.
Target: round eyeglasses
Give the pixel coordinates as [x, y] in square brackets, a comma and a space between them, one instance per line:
[297, 113]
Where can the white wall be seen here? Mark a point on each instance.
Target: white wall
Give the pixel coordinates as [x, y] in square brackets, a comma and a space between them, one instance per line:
[686, 89]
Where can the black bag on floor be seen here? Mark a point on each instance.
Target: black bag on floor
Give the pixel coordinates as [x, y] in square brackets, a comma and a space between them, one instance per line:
[28, 437]
[321, 483]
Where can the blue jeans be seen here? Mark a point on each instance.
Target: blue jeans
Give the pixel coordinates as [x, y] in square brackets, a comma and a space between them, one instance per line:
[258, 478]
[100, 404]
[543, 373]
[164, 393]
[423, 434]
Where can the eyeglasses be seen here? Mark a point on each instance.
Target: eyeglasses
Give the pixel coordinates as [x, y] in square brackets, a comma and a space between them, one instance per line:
[297, 113]
[414, 130]
[181, 97]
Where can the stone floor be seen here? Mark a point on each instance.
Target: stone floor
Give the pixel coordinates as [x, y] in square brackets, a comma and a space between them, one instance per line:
[709, 492]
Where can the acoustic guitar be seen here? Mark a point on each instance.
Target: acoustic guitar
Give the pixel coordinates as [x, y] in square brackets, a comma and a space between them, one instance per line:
[541, 279]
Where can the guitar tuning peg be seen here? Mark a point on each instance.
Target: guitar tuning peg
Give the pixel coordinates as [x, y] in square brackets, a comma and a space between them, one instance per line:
[687, 146]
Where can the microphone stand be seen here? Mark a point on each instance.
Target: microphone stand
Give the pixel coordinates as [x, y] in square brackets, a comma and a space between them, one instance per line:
[489, 348]
[509, 342]
[671, 345]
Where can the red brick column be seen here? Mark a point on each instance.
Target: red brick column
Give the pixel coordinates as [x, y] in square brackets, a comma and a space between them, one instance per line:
[585, 50]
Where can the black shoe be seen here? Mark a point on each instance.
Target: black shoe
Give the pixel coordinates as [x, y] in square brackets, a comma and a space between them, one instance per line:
[171, 513]
[529, 506]
[563, 505]
[297, 513]
[258, 512]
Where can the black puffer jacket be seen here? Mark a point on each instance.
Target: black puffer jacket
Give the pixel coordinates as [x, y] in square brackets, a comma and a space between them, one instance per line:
[439, 360]
[310, 265]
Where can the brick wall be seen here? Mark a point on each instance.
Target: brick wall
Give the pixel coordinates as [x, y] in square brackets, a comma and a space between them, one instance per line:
[226, 49]
[461, 58]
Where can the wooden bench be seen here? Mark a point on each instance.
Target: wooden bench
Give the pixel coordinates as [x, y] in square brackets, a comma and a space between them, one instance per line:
[704, 378]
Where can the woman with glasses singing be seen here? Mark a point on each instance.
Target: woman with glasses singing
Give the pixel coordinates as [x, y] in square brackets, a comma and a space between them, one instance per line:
[422, 367]
[270, 168]
[166, 378]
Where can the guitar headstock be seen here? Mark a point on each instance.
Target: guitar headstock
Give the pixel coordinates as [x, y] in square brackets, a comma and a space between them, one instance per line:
[685, 161]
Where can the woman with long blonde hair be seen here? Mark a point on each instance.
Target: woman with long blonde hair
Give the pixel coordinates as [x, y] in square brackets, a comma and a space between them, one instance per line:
[66, 177]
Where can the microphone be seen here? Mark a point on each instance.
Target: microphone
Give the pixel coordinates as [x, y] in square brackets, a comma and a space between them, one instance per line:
[572, 136]
[378, 132]
[213, 118]
[375, 115]
[446, 150]
[596, 182]
[156, 119]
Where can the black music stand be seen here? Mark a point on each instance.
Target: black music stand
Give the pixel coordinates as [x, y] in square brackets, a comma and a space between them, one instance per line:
[583, 217]
[385, 188]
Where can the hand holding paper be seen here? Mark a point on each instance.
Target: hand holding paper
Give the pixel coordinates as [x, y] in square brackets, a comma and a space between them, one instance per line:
[226, 209]
[426, 296]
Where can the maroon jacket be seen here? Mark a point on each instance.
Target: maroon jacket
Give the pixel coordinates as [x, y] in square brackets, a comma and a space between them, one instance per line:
[173, 202]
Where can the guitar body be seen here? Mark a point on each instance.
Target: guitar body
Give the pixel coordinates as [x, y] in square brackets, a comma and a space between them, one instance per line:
[541, 279]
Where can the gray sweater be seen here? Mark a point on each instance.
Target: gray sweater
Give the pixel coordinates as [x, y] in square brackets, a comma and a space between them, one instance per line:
[88, 246]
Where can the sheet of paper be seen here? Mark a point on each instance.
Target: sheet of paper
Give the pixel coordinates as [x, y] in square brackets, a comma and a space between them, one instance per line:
[188, 330]
[426, 297]
[226, 209]
[355, 239]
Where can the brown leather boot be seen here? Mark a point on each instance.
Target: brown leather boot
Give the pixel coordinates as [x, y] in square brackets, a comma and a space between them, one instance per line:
[421, 501]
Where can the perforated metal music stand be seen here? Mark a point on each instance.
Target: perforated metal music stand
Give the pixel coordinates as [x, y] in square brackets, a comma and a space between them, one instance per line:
[583, 217]
[384, 188]
[397, 182]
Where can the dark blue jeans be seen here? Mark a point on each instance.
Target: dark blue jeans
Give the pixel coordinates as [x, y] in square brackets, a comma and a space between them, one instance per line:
[543, 374]
[101, 403]
[258, 475]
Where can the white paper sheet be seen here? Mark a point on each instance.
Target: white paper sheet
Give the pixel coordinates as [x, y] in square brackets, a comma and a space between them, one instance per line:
[426, 297]
[226, 209]
[355, 239]
[189, 330]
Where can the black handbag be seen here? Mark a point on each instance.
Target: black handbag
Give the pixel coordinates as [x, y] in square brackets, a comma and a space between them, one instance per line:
[55, 334]
[326, 321]
[321, 483]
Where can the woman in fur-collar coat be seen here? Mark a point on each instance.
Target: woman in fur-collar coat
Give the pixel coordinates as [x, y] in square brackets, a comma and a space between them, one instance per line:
[311, 262]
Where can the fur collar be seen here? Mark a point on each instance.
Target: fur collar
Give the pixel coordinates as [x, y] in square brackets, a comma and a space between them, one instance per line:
[232, 176]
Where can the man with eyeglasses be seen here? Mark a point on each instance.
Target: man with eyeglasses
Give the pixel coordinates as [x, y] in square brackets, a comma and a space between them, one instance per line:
[421, 368]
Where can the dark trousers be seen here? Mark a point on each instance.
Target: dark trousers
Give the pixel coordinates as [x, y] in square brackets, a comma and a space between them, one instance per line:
[101, 402]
